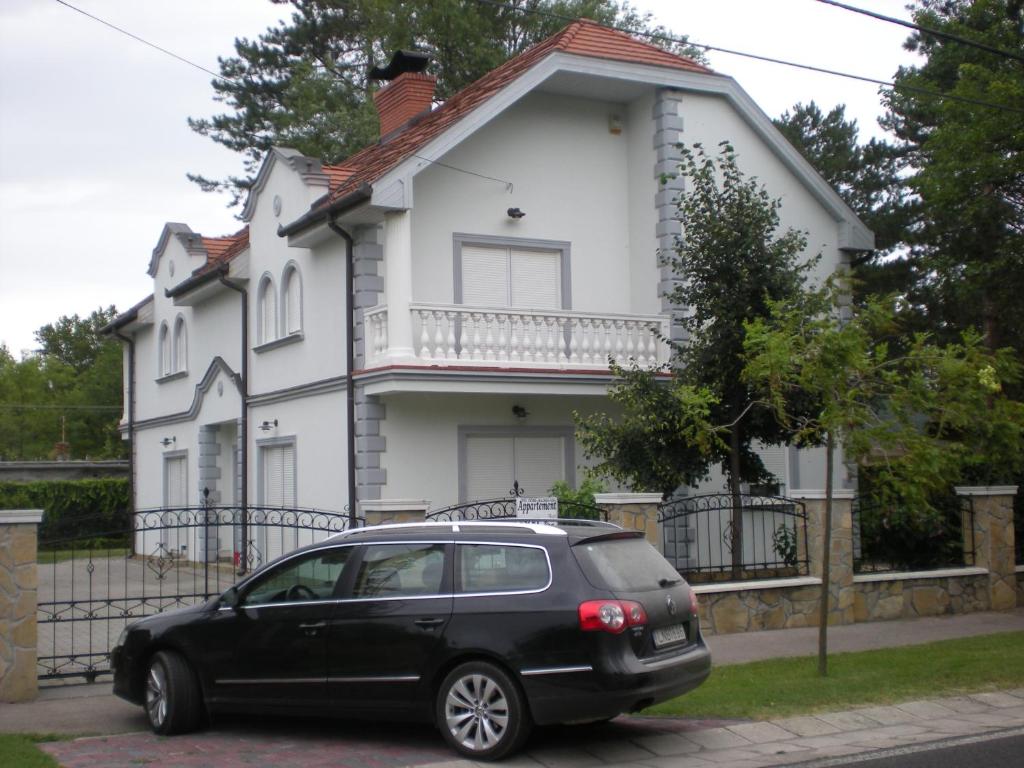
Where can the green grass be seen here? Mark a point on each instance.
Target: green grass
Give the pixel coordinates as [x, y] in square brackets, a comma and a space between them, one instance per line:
[48, 557]
[19, 750]
[783, 687]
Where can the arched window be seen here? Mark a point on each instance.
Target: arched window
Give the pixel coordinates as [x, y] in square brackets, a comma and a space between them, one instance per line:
[291, 300]
[180, 362]
[164, 352]
[267, 311]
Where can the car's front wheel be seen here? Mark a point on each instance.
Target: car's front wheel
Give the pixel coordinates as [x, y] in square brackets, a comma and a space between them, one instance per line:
[173, 701]
[481, 711]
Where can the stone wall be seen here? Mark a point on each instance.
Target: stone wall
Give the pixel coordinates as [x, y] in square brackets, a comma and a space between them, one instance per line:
[18, 604]
[393, 511]
[634, 512]
[906, 596]
[993, 540]
[782, 604]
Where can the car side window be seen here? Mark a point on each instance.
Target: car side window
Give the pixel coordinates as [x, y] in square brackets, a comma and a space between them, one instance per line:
[501, 568]
[303, 579]
[400, 570]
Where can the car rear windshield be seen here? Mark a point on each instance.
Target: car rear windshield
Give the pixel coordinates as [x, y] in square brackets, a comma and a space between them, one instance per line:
[624, 565]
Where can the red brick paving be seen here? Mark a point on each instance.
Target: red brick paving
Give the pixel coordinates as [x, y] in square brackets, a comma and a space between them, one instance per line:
[318, 744]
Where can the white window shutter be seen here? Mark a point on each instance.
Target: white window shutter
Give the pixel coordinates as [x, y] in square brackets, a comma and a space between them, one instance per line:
[490, 467]
[485, 276]
[176, 478]
[539, 463]
[278, 475]
[536, 279]
[774, 459]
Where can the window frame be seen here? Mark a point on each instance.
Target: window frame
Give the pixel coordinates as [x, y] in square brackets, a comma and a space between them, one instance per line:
[290, 275]
[264, 325]
[460, 239]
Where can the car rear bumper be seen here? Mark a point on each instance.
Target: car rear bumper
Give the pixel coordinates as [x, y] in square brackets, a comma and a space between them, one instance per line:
[581, 694]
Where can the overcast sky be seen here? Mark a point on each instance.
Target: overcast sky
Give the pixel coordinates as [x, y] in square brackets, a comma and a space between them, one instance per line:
[94, 146]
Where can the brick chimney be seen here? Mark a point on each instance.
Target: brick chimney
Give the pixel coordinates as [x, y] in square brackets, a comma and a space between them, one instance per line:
[408, 92]
[402, 99]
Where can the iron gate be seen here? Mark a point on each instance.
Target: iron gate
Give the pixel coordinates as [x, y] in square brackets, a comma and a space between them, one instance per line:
[710, 537]
[505, 508]
[92, 585]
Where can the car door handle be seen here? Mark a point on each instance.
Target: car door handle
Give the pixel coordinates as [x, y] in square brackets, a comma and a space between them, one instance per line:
[311, 629]
[428, 623]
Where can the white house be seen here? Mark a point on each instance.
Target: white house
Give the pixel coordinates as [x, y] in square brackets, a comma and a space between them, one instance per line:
[416, 326]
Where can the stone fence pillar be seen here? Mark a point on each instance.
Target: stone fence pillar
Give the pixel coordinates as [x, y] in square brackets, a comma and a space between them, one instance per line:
[993, 540]
[385, 511]
[19, 580]
[841, 591]
[634, 512]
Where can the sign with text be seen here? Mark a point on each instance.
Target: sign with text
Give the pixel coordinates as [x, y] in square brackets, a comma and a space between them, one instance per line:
[543, 507]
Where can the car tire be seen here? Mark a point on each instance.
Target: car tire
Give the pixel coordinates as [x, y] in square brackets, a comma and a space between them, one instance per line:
[481, 712]
[173, 701]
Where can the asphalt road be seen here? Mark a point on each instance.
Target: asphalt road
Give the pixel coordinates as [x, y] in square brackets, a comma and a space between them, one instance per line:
[1000, 749]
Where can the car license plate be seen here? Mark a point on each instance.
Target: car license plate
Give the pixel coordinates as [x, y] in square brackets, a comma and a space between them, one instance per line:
[669, 635]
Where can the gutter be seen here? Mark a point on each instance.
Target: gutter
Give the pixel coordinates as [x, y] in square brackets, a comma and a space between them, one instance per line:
[358, 196]
[197, 280]
[243, 564]
[131, 415]
[350, 395]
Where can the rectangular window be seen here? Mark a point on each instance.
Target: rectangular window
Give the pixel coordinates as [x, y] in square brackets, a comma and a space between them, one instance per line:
[495, 462]
[501, 568]
[514, 277]
[278, 473]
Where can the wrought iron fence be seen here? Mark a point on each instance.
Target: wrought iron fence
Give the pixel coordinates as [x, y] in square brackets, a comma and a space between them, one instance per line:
[894, 537]
[93, 585]
[506, 507]
[711, 537]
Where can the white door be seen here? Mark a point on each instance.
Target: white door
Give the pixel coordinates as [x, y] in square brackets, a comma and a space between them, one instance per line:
[494, 463]
[174, 539]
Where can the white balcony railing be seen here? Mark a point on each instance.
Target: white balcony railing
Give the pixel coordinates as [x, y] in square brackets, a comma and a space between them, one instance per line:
[458, 335]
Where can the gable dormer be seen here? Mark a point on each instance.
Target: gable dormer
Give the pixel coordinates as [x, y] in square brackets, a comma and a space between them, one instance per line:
[178, 253]
[313, 182]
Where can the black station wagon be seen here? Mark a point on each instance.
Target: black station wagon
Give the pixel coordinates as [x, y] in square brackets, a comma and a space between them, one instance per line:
[483, 628]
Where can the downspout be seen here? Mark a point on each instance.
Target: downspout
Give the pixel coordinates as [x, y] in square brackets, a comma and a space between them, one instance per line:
[131, 424]
[350, 395]
[243, 558]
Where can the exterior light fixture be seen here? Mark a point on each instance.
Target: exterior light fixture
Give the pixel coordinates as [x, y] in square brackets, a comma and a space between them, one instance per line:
[515, 213]
[519, 412]
[168, 441]
[266, 426]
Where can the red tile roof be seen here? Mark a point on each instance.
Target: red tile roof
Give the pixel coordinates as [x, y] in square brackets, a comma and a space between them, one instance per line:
[220, 250]
[583, 38]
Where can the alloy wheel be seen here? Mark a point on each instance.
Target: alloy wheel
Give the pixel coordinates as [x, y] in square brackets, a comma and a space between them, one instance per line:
[156, 695]
[476, 712]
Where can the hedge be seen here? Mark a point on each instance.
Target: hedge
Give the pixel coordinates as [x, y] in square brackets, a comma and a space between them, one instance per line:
[71, 508]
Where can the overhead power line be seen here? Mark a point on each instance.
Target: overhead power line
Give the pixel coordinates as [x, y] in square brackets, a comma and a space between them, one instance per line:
[768, 59]
[927, 30]
[135, 37]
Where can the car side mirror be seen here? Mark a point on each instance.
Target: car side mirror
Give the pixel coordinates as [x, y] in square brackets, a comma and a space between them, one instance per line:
[230, 599]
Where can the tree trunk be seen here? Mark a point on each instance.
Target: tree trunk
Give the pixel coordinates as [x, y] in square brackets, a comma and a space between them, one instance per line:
[736, 519]
[826, 558]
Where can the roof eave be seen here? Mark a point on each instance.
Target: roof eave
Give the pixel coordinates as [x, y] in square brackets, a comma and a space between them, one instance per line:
[361, 194]
[196, 281]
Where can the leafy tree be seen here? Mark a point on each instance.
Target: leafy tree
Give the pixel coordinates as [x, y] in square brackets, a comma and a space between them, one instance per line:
[732, 263]
[923, 416]
[69, 391]
[968, 166]
[304, 83]
[664, 437]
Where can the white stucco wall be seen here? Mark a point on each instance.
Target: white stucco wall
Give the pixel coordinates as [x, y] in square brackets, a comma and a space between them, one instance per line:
[569, 175]
[320, 354]
[422, 436]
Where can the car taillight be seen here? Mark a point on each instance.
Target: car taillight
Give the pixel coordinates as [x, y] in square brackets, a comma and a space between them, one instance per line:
[694, 606]
[611, 615]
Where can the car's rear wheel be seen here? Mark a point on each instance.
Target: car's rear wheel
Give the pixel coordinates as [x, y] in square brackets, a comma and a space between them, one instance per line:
[173, 701]
[481, 712]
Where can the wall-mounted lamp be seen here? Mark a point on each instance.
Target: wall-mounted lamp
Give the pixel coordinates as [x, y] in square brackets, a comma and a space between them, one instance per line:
[266, 426]
[168, 441]
[515, 213]
[519, 412]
